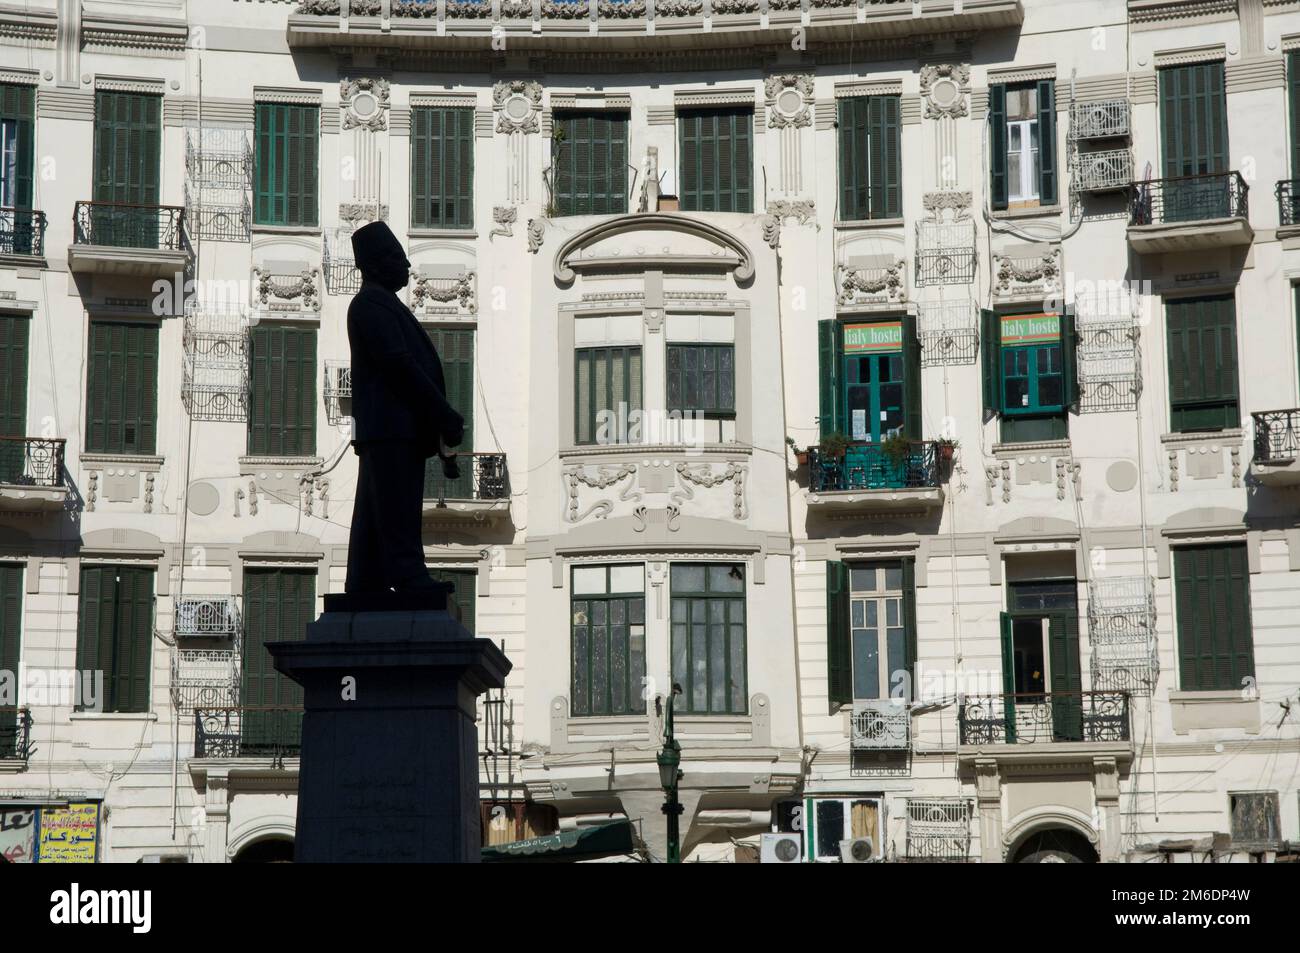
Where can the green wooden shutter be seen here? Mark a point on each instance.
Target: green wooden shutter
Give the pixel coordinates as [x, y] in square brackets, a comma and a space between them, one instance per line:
[18, 104]
[912, 420]
[288, 139]
[998, 146]
[1202, 345]
[1069, 359]
[463, 596]
[1240, 647]
[991, 361]
[1008, 676]
[15, 330]
[278, 604]
[1067, 679]
[855, 187]
[910, 626]
[94, 620]
[282, 405]
[455, 347]
[830, 346]
[839, 653]
[128, 147]
[1193, 119]
[1293, 109]
[11, 616]
[717, 159]
[1047, 174]
[883, 132]
[442, 167]
[122, 385]
[1212, 598]
[134, 638]
[591, 164]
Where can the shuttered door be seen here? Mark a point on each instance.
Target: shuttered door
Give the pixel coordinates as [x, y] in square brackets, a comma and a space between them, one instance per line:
[717, 159]
[461, 600]
[287, 139]
[455, 347]
[1194, 140]
[869, 157]
[115, 633]
[442, 167]
[998, 183]
[830, 361]
[1202, 336]
[128, 150]
[1212, 598]
[1046, 89]
[1293, 106]
[839, 646]
[122, 385]
[17, 111]
[14, 331]
[591, 163]
[278, 604]
[282, 411]
[11, 619]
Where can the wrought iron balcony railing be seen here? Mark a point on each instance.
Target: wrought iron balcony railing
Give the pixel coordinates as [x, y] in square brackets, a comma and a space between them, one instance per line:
[15, 734]
[32, 461]
[207, 617]
[1103, 119]
[938, 829]
[160, 227]
[867, 466]
[1288, 202]
[1111, 170]
[1189, 198]
[248, 731]
[22, 231]
[1043, 718]
[483, 476]
[1277, 435]
[882, 725]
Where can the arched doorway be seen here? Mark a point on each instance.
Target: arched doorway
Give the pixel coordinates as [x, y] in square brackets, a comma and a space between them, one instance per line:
[270, 850]
[1056, 845]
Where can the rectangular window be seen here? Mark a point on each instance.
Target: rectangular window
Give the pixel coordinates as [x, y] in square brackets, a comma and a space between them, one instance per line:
[589, 163]
[442, 167]
[1293, 110]
[11, 637]
[1216, 650]
[122, 388]
[608, 640]
[278, 604]
[461, 600]
[282, 399]
[702, 379]
[717, 159]
[128, 144]
[1202, 335]
[115, 633]
[878, 629]
[15, 330]
[1255, 818]
[288, 141]
[17, 142]
[839, 819]
[708, 637]
[869, 152]
[1030, 377]
[1022, 144]
[607, 388]
[455, 347]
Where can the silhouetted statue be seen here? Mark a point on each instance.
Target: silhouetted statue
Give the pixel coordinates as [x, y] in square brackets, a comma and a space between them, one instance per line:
[400, 417]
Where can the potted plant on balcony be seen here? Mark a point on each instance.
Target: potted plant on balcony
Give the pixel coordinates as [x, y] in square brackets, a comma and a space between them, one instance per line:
[896, 448]
[800, 456]
[944, 450]
[834, 445]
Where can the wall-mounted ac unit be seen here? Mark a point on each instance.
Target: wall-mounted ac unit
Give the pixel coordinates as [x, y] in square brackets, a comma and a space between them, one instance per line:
[858, 850]
[781, 849]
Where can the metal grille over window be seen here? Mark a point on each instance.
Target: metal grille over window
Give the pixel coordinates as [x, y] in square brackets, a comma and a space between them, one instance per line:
[218, 184]
[1100, 158]
[338, 391]
[949, 332]
[341, 274]
[1110, 375]
[938, 829]
[1122, 629]
[205, 662]
[945, 253]
[214, 383]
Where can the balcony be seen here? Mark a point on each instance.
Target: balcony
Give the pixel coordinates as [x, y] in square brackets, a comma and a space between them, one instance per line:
[1288, 203]
[1055, 725]
[872, 478]
[142, 241]
[1190, 213]
[32, 477]
[22, 233]
[881, 726]
[248, 731]
[1276, 460]
[15, 738]
[611, 25]
[481, 492]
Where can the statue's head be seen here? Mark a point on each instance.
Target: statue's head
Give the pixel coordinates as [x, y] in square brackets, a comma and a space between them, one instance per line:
[380, 256]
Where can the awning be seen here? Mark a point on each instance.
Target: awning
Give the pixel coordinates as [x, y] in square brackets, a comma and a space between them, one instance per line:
[583, 843]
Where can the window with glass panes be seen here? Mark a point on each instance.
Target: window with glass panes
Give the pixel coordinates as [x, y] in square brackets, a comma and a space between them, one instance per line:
[702, 379]
[708, 637]
[606, 389]
[1029, 373]
[877, 627]
[607, 615]
[115, 633]
[17, 141]
[1022, 144]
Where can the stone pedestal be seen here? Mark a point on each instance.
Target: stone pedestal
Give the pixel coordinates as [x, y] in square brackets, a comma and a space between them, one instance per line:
[389, 768]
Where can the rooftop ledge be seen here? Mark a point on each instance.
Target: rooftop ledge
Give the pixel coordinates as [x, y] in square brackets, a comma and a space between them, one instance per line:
[595, 25]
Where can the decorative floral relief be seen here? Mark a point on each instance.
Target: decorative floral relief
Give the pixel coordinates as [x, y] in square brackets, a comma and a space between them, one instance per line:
[701, 474]
[958, 204]
[678, 8]
[620, 9]
[603, 478]
[1029, 275]
[365, 103]
[518, 103]
[427, 291]
[536, 234]
[288, 292]
[885, 283]
[944, 87]
[560, 10]
[688, 476]
[505, 218]
[725, 7]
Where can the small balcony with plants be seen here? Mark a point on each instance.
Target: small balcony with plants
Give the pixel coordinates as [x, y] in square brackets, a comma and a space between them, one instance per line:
[895, 475]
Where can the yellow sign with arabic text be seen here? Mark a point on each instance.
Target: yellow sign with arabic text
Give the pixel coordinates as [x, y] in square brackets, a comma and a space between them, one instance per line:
[69, 835]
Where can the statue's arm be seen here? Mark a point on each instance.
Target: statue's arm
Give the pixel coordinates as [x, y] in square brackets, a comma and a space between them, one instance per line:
[387, 349]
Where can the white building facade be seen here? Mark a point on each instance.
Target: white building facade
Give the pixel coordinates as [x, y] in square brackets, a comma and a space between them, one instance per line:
[909, 383]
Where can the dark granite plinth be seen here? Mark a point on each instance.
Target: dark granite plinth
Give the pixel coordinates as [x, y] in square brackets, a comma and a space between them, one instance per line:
[389, 769]
[390, 601]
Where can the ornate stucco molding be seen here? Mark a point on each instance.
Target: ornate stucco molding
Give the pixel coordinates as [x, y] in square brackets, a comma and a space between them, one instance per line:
[569, 256]
[1038, 273]
[365, 103]
[945, 90]
[790, 98]
[536, 234]
[278, 291]
[872, 282]
[947, 204]
[518, 104]
[505, 218]
[430, 291]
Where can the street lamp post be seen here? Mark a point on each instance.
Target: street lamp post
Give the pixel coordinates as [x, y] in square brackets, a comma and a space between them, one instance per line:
[670, 759]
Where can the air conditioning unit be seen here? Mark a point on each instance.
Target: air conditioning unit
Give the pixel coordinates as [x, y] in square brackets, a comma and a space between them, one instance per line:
[858, 850]
[781, 849]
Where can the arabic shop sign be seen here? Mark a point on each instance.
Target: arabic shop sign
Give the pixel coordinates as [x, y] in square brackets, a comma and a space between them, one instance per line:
[878, 338]
[68, 835]
[18, 835]
[1031, 328]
